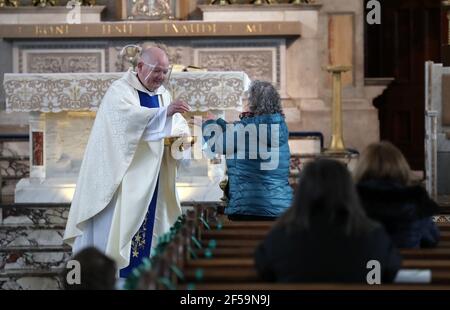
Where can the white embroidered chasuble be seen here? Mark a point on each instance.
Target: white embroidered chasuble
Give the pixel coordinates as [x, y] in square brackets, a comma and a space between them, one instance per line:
[123, 158]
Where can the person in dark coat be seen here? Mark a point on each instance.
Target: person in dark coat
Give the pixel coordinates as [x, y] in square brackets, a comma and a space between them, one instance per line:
[390, 197]
[326, 236]
[257, 156]
[97, 271]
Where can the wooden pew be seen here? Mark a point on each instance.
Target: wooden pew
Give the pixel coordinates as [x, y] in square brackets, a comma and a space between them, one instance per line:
[231, 260]
[226, 224]
[259, 234]
[218, 275]
[433, 253]
[238, 234]
[226, 253]
[236, 243]
[248, 251]
[205, 263]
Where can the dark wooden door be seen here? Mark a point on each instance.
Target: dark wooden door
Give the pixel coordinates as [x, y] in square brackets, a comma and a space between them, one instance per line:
[409, 35]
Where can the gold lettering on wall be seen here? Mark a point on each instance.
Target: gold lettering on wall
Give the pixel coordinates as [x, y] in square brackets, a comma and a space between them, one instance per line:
[212, 28]
[59, 29]
[190, 28]
[253, 28]
[106, 29]
[187, 28]
[51, 30]
[127, 29]
[117, 29]
[174, 27]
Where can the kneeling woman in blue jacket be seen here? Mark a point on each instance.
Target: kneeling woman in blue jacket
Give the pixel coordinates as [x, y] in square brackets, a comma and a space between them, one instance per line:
[257, 153]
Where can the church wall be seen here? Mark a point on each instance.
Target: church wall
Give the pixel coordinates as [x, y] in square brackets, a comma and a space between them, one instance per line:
[337, 21]
[9, 120]
[341, 21]
[5, 66]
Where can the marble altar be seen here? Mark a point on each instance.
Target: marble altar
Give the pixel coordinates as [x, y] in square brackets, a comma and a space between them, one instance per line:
[62, 110]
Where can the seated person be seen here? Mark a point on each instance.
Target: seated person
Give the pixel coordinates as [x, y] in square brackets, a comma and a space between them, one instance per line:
[325, 236]
[257, 153]
[98, 271]
[388, 195]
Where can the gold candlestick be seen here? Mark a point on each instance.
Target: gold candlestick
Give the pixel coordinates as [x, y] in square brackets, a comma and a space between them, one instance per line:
[130, 53]
[337, 140]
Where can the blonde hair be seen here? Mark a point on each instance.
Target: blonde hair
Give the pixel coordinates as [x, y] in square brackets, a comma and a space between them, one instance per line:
[382, 160]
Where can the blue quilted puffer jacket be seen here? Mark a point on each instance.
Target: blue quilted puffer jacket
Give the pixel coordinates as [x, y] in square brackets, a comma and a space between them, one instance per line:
[258, 165]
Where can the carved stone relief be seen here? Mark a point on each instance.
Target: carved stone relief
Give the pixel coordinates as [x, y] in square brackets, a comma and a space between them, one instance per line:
[59, 62]
[61, 58]
[256, 62]
[63, 62]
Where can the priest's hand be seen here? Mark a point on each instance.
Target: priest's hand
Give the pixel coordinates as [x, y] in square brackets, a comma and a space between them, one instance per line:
[177, 106]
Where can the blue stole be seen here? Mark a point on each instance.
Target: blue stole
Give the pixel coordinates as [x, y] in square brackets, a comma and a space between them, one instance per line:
[141, 242]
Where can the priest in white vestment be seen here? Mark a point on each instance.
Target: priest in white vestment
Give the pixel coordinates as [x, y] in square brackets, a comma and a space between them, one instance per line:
[126, 193]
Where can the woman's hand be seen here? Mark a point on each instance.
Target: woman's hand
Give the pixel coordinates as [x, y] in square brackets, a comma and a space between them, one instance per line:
[195, 121]
[210, 116]
[198, 120]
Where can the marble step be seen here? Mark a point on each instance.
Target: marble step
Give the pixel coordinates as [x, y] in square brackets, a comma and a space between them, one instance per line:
[14, 261]
[14, 147]
[14, 168]
[33, 235]
[42, 248]
[14, 159]
[30, 279]
[34, 214]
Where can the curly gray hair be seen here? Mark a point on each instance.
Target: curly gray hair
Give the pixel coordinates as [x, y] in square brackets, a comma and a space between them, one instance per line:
[263, 98]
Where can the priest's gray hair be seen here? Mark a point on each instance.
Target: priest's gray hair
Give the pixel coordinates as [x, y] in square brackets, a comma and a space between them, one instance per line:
[146, 46]
[263, 98]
